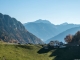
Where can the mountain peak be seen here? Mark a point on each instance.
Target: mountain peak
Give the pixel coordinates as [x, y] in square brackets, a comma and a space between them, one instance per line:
[42, 21]
[64, 23]
[13, 31]
[1, 15]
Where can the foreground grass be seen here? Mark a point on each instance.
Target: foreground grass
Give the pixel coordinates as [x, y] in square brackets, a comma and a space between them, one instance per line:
[22, 52]
[36, 52]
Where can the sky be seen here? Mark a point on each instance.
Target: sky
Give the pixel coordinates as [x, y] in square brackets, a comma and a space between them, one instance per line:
[56, 11]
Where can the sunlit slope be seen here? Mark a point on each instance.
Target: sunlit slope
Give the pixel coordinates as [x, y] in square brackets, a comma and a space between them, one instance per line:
[22, 52]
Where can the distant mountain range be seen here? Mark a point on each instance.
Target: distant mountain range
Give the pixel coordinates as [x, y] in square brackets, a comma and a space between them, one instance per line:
[41, 28]
[42, 21]
[46, 30]
[12, 30]
[62, 35]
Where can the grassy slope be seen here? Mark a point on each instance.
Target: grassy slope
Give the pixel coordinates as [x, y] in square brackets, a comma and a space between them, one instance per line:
[22, 52]
[34, 52]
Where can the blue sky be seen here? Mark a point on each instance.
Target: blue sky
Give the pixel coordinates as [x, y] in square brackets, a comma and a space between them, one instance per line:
[56, 11]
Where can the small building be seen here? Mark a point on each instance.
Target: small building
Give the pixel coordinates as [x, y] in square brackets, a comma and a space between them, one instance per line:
[51, 43]
[54, 44]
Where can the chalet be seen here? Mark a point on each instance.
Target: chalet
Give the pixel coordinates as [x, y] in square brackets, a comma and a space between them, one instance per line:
[56, 44]
[51, 43]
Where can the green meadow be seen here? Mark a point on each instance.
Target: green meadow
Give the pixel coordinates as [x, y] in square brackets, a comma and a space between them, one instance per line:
[22, 52]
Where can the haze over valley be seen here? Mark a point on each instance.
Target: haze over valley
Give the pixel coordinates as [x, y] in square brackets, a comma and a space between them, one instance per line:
[45, 30]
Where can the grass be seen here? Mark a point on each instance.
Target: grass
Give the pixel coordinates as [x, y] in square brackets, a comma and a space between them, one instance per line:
[22, 52]
[36, 52]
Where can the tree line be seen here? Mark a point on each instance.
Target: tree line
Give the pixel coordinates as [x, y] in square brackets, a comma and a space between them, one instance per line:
[73, 38]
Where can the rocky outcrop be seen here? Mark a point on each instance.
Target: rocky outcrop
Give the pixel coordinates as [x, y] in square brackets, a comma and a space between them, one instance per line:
[13, 30]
